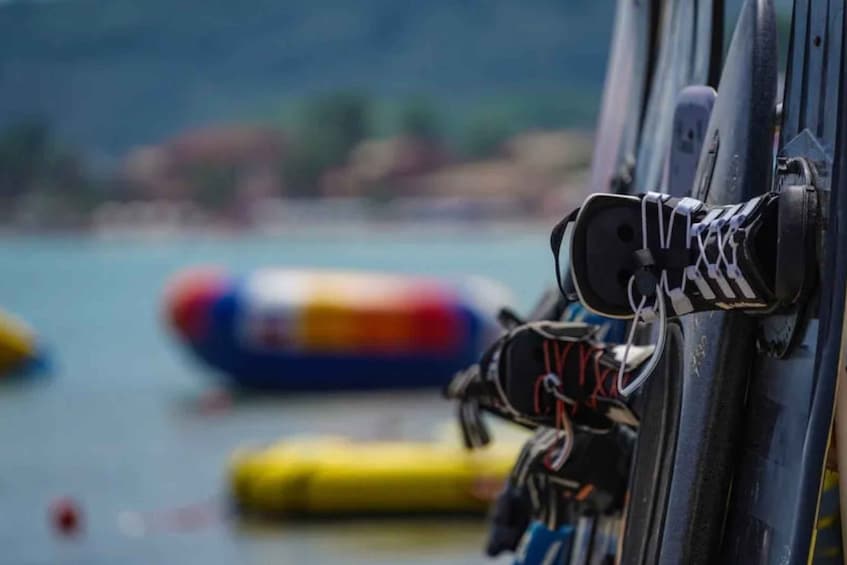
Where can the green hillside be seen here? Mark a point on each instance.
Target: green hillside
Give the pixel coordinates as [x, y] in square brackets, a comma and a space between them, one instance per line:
[109, 74]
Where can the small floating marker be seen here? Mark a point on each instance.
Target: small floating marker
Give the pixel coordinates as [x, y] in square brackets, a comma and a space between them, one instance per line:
[65, 516]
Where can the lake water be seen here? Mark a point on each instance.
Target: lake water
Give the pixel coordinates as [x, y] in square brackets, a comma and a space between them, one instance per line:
[119, 424]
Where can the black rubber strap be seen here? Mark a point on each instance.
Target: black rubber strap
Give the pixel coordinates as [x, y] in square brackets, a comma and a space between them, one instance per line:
[556, 237]
[509, 319]
[474, 431]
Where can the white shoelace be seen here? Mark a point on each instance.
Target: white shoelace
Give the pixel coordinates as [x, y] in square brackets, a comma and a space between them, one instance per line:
[538, 445]
[552, 385]
[720, 224]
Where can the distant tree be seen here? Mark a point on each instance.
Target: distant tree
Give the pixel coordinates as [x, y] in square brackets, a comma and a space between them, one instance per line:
[485, 135]
[330, 127]
[25, 156]
[214, 185]
[32, 160]
[420, 119]
[340, 120]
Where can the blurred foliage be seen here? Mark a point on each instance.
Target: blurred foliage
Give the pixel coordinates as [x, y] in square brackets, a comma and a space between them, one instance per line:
[214, 185]
[33, 162]
[26, 157]
[330, 126]
[327, 128]
[420, 119]
[485, 136]
[489, 122]
[136, 72]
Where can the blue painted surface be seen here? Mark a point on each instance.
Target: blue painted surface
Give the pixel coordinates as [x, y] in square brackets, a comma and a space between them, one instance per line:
[543, 545]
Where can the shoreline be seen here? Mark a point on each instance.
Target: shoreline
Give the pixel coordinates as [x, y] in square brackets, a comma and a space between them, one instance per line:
[429, 228]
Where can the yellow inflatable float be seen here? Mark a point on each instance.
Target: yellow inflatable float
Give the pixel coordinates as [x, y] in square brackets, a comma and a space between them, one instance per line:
[19, 348]
[332, 476]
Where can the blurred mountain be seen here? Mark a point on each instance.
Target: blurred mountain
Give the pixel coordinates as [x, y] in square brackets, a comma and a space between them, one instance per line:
[110, 74]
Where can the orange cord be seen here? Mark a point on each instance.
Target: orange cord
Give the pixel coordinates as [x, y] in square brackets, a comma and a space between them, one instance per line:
[584, 491]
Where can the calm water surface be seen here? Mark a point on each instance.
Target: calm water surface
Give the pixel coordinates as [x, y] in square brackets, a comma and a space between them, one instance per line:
[118, 424]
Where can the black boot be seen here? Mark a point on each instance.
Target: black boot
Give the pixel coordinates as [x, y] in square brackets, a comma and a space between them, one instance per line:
[553, 374]
[634, 256]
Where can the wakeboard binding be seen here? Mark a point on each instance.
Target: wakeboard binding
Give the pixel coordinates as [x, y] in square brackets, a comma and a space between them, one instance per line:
[634, 255]
[592, 482]
[653, 257]
[550, 374]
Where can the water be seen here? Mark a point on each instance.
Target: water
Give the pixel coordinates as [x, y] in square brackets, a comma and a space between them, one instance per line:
[117, 426]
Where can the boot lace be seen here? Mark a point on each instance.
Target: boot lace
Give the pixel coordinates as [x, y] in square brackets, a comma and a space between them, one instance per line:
[718, 230]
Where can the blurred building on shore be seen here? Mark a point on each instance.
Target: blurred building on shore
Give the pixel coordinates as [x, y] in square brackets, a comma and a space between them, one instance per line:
[207, 164]
[527, 171]
[233, 177]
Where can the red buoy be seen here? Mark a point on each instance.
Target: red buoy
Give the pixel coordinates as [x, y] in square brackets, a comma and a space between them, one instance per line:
[65, 516]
